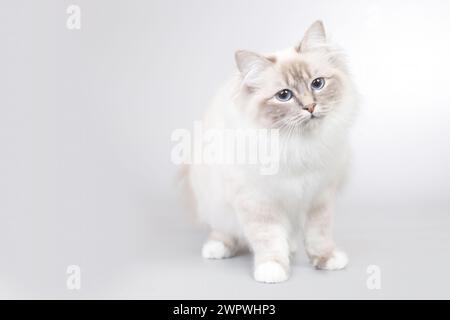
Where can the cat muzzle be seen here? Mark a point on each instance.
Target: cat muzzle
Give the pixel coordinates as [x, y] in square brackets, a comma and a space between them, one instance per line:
[310, 107]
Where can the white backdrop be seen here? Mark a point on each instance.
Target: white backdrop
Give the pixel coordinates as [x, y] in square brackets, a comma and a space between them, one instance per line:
[85, 123]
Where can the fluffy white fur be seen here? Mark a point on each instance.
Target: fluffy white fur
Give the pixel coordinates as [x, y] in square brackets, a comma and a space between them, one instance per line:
[266, 212]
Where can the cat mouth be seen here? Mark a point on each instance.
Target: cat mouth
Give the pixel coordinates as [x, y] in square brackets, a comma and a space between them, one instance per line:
[304, 120]
[313, 120]
[316, 116]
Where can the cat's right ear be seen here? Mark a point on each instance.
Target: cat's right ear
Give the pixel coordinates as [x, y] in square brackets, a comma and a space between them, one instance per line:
[251, 65]
[315, 37]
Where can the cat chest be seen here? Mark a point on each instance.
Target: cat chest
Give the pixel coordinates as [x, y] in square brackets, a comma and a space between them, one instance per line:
[296, 190]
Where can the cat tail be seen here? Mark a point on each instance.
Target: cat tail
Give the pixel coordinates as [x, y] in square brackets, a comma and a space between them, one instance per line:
[188, 199]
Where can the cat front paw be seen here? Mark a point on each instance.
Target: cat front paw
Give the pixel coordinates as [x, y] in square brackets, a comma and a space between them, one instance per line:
[215, 249]
[270, 272]
[337, 260]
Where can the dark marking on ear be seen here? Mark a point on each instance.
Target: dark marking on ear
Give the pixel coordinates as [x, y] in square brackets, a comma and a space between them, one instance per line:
[272, 59]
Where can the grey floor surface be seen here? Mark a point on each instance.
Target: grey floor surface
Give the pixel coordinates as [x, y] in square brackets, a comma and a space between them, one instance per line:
[158, 257]
[86, 118]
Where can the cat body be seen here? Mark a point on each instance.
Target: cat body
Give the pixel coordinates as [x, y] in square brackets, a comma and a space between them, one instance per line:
[306, 93]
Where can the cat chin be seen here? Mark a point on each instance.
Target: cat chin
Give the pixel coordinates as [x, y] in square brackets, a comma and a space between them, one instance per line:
[307, 124]
[313, 122]
[310, 124]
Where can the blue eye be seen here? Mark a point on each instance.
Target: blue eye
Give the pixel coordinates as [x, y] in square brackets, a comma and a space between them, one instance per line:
[284, 95]
[317, 84]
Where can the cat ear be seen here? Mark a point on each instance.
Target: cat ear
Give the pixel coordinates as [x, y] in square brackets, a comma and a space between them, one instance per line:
[250, 65]
[314, 37]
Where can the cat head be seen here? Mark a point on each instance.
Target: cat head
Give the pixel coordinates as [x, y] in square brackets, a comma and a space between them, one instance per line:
[297, 87]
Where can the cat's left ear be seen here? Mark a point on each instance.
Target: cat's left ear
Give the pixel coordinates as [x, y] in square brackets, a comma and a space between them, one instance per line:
[315, 37]
[251, 65]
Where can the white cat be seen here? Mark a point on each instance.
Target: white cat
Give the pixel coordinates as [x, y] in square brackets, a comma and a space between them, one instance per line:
[305, 92]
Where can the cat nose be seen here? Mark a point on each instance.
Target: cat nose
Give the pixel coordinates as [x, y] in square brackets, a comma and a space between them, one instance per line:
[310, 107]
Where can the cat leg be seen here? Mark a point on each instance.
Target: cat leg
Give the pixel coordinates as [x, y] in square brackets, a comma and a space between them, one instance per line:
[267, 235]
[319, 242]
[219, 246]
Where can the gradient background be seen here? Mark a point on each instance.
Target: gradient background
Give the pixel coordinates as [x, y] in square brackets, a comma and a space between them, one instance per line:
[85, 123]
